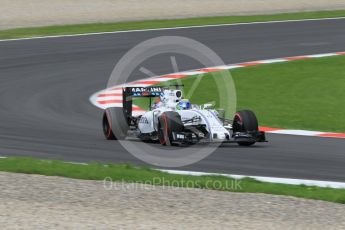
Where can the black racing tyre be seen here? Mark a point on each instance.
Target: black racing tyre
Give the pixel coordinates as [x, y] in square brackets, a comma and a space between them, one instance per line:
[108, 132]
[168, 123]
[245, 121]
[114, 124]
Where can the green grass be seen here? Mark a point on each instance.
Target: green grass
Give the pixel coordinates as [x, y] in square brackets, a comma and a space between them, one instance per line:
[129, 173]
[304, 94]
[152, 24]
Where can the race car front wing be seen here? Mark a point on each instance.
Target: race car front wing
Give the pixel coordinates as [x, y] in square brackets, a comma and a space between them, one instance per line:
[193, 138]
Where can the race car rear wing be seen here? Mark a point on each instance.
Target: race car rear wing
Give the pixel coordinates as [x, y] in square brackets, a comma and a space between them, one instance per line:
[128, 93]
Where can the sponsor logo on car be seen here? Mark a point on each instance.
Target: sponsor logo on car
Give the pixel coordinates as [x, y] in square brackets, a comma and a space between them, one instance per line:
[143, 120]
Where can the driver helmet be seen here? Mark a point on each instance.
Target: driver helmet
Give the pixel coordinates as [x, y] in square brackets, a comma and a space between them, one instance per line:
[184, 104]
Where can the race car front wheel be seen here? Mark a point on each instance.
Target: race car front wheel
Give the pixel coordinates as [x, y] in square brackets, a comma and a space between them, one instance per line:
[245, 121]
[168, 123]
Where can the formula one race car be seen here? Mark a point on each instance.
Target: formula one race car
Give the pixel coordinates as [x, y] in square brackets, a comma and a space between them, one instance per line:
[172, 120]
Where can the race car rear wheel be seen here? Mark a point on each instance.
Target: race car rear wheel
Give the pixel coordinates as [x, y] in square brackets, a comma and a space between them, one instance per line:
[108, 132]
[168, 123]
[114, 125]
[245, 121]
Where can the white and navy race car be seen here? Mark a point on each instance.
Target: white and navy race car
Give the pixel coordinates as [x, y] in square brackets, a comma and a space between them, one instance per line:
[173, 120]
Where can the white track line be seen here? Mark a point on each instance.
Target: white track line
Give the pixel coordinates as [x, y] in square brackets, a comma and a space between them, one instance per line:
[174, 28]
[318, 183]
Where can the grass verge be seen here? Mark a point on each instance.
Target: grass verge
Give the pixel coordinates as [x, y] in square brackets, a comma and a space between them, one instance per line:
[303, 94]
[129, 173]
[153, 24]
[306, 94]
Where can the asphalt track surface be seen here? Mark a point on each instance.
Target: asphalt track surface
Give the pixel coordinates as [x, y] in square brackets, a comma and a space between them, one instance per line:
[46, 84]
